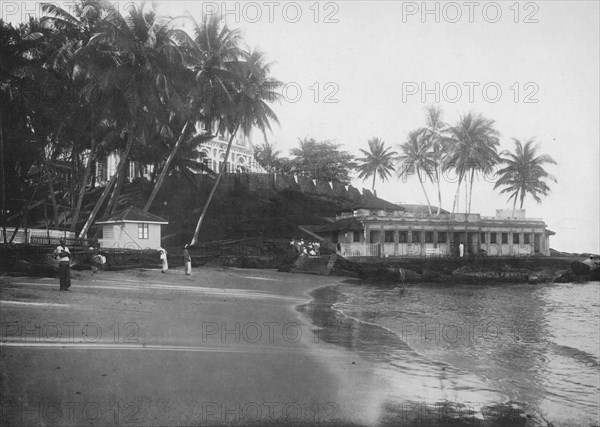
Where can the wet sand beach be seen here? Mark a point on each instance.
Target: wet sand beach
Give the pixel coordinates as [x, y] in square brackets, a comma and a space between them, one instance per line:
[233, 346]
[224, 346]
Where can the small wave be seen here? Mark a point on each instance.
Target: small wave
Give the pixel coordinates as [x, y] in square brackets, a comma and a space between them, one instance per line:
[401, 345]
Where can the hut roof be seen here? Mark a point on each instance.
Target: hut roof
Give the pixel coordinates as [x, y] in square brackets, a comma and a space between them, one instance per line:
[132, 214]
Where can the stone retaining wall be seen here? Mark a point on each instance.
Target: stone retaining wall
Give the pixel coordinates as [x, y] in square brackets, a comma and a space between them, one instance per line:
[272, 181]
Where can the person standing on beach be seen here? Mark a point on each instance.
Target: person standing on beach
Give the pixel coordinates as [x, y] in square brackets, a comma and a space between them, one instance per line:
[63, 255]
[163, 258]
[187, 261]
[461, 250]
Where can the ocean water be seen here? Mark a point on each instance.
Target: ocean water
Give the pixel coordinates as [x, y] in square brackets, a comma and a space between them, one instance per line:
[525, 354]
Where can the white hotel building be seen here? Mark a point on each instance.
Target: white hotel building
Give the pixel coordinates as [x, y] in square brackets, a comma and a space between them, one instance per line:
[241, 158]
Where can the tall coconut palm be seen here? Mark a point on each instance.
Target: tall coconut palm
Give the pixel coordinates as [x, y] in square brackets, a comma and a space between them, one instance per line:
[132, 58]
[377, 161]
[523, 173]
[78, 28]
[471, 149]
[415, 158]
[217, 69]
[434, 132]
[211, 54]
[164, 71]
[247, 110]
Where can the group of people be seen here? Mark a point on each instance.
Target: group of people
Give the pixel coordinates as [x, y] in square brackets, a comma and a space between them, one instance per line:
[593, 263]
[306, 248]
[187, 260]
[98, 261]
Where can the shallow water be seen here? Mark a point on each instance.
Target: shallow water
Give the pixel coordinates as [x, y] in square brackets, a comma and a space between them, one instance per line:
[534, 348]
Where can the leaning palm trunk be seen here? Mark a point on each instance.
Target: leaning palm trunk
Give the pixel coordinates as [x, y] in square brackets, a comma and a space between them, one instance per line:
[113, 202]
[99, 203]
[86, 174]
[424, 192]
[515, 203]
[110, 184]
[212, 192]
[165, 169]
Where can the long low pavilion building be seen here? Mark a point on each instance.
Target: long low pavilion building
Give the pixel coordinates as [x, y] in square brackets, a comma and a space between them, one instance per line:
[405, 232]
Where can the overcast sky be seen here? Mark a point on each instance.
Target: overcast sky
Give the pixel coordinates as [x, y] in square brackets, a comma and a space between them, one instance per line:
[362, 69]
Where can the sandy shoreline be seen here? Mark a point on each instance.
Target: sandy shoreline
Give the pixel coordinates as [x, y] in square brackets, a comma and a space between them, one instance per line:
[226, 346]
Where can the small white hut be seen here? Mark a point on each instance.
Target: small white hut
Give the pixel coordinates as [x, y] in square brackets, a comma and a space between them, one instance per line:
[131, 228]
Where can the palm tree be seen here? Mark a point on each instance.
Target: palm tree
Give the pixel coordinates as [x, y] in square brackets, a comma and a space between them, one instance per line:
[19, 148]
[81, 27]
[187, 164]
[247, 110]
[135, 60]
[435, 134]
[267, 156]
[524, 173]
[472, 149]
[165, 76]
[416, 159]
[377, 161]
[212, 55]
[41, 116]
[10, 52]
[189, 159]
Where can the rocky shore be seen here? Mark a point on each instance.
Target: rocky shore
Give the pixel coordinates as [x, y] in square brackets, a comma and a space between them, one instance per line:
[482, 270]
[35, 261]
